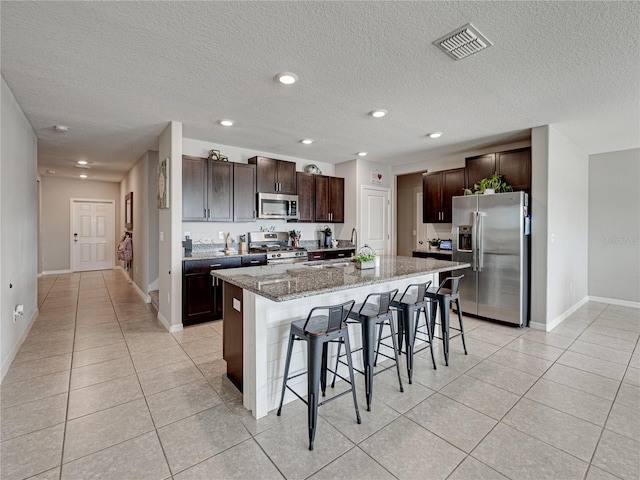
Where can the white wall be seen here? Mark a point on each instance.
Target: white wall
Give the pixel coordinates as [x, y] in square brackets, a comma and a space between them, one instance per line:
[19, 229]
[568, 225]
[363, 170]
[55, 222]
[539, 207]
[142, 181]
[204, 231]
[563, 272]
[170, 242]
[614, 226]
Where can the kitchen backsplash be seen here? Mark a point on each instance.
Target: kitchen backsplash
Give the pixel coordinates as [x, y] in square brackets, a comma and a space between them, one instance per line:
[439, 230]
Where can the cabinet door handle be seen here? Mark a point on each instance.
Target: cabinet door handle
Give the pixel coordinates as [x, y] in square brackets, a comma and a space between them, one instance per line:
[255, 261]
[205, 213]
[341, 254]
[215, 265]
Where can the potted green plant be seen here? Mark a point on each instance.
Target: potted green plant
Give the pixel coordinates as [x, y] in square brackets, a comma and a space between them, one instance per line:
[366, 258]
[492, 184]
[433, 242]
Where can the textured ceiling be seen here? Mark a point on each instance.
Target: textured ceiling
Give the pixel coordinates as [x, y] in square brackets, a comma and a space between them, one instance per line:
[117, 72]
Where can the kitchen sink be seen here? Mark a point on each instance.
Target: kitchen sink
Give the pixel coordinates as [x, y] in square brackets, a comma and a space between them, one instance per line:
[323, 265]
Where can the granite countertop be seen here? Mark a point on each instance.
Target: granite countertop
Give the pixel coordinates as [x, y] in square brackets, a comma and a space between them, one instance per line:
[282, 282]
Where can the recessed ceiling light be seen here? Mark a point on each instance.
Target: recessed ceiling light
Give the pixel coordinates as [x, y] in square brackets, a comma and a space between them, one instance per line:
[226, 122]
[83, 176]
[435, 135]
[362, 154]
[379, 113]
[287, 78]
[82, 162]
[306, 141]
[51, 172]
[61, 128]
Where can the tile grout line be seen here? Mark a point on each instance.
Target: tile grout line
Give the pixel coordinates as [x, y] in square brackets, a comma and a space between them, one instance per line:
[499, 422]
[144, 396]
[66, 413]
[604, 426]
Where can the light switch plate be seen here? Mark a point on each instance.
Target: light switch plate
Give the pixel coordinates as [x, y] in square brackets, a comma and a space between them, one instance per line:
[237, 305]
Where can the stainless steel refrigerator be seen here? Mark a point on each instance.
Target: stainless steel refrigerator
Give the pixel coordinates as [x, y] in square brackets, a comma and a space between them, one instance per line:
[491, 232]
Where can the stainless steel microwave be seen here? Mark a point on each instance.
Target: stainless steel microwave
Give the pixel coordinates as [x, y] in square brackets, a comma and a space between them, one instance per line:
[277, 205]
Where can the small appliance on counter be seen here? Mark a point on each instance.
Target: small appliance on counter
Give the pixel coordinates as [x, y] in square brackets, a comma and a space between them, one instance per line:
[445, 244]
[327, 243]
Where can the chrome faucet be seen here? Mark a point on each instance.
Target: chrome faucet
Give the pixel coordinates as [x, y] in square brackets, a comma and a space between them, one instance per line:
[354, 236]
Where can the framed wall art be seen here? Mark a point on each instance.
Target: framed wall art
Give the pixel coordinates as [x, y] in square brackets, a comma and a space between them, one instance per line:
[163, 183]
[128, 211]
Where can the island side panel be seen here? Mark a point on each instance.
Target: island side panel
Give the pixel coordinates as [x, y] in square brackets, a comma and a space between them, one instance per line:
[266, 335]
[233, 344]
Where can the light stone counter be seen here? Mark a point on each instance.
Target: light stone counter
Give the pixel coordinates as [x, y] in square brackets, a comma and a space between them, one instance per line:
[285, 282]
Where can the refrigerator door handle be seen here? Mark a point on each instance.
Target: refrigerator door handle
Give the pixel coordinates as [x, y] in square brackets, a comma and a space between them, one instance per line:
[480, 243]
[474, 242]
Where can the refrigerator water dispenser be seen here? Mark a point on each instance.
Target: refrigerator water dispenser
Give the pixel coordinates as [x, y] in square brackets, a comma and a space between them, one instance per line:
[465, 234]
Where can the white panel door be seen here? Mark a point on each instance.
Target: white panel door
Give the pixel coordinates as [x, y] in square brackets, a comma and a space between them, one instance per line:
[375, 214]
[92, 236]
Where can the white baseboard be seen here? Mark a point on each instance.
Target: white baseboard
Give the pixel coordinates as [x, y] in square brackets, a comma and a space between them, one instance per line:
[144, 296]
[547, 327]
[615, 301]
[56, 272]
[171, 328]
[14, 351]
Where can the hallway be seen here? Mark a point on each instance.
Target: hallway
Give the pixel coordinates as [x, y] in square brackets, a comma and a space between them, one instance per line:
[100, 390]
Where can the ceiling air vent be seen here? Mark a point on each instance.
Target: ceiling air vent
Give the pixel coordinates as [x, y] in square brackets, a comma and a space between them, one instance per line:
[463, 42]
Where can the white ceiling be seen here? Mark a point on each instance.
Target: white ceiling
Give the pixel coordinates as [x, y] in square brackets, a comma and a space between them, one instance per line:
[117, 72]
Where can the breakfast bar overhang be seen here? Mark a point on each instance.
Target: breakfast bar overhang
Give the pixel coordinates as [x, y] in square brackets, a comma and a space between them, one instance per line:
[261, 302]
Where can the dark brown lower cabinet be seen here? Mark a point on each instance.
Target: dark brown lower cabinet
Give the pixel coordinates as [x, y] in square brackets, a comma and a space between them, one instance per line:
[232, 338]
[201, 292]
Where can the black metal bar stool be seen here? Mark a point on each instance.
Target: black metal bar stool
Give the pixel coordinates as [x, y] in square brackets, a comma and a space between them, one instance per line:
[443, 297]
[409, 306]
[318, 330]
[374, 311]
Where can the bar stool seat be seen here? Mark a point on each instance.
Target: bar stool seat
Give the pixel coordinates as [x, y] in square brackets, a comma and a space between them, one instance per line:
[322, 326]
[375, 310]
[444, 297]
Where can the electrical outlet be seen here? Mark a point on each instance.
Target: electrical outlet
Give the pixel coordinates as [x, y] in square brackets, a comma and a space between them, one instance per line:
[221, 235]
[168, 298]
[162, 236]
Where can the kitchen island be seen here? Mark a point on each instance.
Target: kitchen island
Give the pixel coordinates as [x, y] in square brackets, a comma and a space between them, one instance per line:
[261, 302]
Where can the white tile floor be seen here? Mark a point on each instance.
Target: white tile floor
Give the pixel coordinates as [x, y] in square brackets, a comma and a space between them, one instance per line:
[100, 390]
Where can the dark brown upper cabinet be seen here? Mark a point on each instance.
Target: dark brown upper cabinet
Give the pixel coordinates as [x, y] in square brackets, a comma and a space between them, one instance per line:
[275, 176]
[477, 168]
[214, 191]
[244, 192]
[194, 189]
[437, 190]
[329, 201]
[306, 197]
[513, 165]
